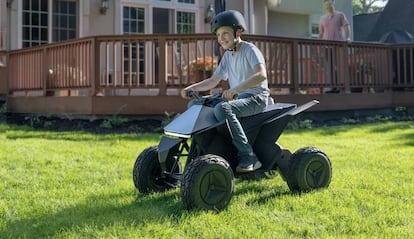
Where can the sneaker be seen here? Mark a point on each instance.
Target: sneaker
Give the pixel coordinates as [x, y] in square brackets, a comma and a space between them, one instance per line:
[248, 163]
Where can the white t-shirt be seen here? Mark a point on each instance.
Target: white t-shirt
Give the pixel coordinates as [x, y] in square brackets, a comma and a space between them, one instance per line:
[239, 67]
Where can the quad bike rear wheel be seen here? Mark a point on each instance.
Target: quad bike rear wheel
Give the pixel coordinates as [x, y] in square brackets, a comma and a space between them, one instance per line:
[208, 183]
[310, 168]
[147, 173]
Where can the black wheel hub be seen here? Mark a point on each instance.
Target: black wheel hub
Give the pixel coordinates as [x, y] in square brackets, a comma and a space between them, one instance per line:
[213, 187]
[315, 174]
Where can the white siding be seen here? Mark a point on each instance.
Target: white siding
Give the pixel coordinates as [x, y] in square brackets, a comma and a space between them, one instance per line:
[288, 25]
[292, 18]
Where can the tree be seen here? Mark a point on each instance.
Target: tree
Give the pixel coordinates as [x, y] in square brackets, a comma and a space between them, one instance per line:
[368, 6]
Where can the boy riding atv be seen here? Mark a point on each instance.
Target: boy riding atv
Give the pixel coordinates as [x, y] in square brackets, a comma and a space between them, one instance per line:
[243, 66]
[229, 135]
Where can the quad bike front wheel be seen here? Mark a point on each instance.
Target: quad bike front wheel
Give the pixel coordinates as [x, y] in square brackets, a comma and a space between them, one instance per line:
[147, 173]
[310, 168]
[208, 183]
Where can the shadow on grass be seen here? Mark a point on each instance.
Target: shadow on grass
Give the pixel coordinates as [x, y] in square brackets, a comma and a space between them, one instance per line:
[375, 128]
[98, 212]
[77, 136]
[385, 127]
[103, 211]
[407, 135]
[322, 131]
[262, 191]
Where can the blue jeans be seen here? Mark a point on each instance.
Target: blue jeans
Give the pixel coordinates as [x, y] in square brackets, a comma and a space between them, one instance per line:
[244, 105]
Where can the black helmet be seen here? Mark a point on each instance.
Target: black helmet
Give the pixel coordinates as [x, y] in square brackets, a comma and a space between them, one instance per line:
[230, 18]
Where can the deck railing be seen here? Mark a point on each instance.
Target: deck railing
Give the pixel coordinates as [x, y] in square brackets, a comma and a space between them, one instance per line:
[402, 66]
[161, 64]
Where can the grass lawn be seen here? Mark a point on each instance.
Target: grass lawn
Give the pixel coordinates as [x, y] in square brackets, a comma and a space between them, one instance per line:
[79, 185]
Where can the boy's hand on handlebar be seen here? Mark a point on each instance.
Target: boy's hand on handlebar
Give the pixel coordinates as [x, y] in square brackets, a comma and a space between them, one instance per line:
[185, 93]
[229, 94]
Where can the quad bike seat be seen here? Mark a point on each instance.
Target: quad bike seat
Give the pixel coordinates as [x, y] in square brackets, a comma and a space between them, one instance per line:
[272, 112]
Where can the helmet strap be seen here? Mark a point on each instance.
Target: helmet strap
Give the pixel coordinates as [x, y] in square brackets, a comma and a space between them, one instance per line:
[235, 42]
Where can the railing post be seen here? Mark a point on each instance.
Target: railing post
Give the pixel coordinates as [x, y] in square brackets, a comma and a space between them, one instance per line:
[295, 67]
[6, 71]
[95, 61]
[389, 70]
[45, 71]
[345, 65]
[162, 69]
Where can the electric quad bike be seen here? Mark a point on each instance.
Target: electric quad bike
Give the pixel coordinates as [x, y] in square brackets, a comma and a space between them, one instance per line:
[207, 177]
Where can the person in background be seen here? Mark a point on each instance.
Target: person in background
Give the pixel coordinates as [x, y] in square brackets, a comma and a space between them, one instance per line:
[333, 26]
[332, 23]
[243, 66]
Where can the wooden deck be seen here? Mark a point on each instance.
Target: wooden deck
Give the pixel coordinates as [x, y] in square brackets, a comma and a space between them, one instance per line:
[142, 74]
[150, 105]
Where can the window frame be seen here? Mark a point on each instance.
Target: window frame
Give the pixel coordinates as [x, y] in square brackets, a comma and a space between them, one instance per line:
[173, 5]
[34, 42]
[137, 61]
[194, 25]
[50, 28]
[314, 26]
[67, 29]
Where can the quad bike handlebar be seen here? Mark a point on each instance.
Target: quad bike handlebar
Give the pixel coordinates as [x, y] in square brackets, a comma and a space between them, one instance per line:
[207, 100]
[193, 94]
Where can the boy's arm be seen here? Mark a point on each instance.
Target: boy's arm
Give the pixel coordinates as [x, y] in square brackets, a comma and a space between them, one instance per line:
[203, 85]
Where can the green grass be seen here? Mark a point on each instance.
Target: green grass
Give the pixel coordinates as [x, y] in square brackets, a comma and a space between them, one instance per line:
[79, 185]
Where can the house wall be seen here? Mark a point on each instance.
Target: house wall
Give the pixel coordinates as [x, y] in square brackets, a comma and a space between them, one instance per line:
[291, 18]
[111, 22]
[298, 6]
[13, 32]
[91, 22]
[3, 15]
[99, 24]
[288, 24]
[260, 18]
[254, 12]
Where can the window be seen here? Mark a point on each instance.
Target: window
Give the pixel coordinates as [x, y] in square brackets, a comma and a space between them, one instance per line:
[35, 27]
[134, 20]
[315, 30]
[185, 22]
[133, 23]
[64, 20]
[35, 22]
